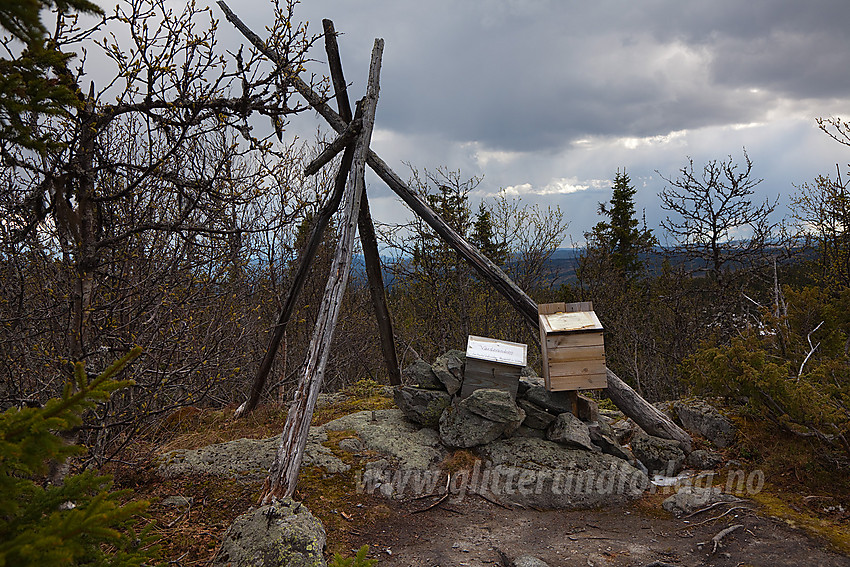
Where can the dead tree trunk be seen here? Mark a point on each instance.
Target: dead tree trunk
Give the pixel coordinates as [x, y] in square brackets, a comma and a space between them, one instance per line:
[284, 471]
[364, 221]
[647, 416]
[305, 263]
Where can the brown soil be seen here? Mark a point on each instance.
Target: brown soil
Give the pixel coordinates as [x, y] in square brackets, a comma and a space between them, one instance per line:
[474, 531]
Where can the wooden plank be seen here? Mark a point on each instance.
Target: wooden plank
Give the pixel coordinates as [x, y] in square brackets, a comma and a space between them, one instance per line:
[589, 382]
[544, 345]
[494, 350]
[480, 374]
[578, 306]
[560, 341]
[575, 322]
[548, 308]
[284, 470]
[577, 368]
[593, 352]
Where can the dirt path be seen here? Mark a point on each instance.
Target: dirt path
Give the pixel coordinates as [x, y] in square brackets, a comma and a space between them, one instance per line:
[471, 532]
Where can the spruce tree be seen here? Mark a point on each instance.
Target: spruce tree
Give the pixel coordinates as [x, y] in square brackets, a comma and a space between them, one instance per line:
[620, 236]
[81, 521]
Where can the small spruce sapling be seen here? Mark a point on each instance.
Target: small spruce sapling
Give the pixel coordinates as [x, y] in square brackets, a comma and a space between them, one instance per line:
[359, 560]
[82, 521]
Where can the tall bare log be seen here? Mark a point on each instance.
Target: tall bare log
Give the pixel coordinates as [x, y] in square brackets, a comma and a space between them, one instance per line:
[647, 416]
[305, 262]
[284, 470]
[364, 221]
[487, 269]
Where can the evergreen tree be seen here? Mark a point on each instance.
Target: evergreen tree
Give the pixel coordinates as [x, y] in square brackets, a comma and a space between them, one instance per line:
[36, 80]
[80, 522]
[620, 236]
[484, 238]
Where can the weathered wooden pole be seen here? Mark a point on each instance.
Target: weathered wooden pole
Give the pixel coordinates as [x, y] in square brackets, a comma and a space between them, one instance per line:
[487, 269]
[284, 471]
[305, 262]
[365, 226]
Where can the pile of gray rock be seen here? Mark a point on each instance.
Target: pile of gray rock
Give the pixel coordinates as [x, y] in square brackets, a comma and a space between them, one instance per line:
[430, 399]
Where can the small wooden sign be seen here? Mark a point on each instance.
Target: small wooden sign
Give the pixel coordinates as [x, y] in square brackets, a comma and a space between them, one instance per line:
[492, 363]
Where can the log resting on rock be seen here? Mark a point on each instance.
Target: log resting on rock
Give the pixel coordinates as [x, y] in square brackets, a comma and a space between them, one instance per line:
[647, 416]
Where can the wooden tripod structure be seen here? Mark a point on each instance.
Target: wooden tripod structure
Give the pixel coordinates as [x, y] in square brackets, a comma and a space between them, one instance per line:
[349, 188]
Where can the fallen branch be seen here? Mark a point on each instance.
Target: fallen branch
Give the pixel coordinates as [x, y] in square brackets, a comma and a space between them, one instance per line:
[719, 537]
[440, 501]
[715, 518]
[707, 508]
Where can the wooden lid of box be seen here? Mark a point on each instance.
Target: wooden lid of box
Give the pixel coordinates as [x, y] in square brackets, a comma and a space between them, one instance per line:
[578, 321]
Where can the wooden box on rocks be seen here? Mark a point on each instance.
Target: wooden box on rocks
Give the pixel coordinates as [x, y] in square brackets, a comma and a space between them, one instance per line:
[492, 364]
[573, 347]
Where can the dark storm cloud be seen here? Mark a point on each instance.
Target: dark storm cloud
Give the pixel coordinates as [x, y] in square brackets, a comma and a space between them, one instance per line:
[532, 76]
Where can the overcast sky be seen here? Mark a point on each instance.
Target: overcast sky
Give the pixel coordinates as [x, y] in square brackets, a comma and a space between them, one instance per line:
[548, 98]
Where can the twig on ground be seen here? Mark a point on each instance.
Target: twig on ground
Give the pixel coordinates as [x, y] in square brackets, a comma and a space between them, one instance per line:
[719, 537]
[715, 518]
[707, 508]
[493, 500]
[442, 498]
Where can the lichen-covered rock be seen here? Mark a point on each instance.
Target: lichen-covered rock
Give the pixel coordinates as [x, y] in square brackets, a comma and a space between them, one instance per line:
[448, 368]
[421, 374]
[389, 433]
[703, 418]
[570, 430]
[623, 430]
[540, 473]
[282, 534]
[462, 428]
[248, 460]
[658, 455]
[689, 499]
[535, 416]
[704, 460]
[527, 378]
[495, 405]
[420, 405]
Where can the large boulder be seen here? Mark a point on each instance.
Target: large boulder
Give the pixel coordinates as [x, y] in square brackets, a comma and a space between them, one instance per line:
[247, 460]
[540, 473]
[389, 433]
[421, 374]
[702, 418]
[495, 405]
[570, 430]
[282, 534]
[535, 416]
[462, 428]
[420, 405]
[704, 460]
[448, 368]
[658, 455]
